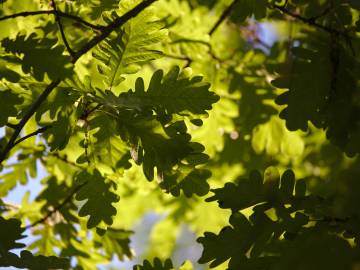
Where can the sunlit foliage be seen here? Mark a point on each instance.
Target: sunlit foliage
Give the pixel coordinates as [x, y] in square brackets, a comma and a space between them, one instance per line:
[238, 120]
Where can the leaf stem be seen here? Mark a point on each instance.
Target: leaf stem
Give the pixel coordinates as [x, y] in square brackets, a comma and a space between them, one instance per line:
[309, 21]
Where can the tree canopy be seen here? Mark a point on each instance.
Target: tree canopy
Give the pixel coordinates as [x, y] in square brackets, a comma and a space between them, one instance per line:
[237, 119]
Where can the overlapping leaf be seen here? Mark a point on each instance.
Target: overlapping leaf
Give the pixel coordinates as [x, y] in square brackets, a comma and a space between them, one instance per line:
[154, 148]
[55, 194]
[29, 261]
[133, 44]
[30, 49]
[8, 101]
[329, 103]
[99, 198]
[10, 233]
[105, 147]
[116, 241]
[172, 93]
[278, 224]
[254, 190]
[157, 264]
[7, 73]
[246, 8]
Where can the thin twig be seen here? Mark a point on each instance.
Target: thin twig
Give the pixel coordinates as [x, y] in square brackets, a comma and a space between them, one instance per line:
[27, 116]
[221, 19]
[40, 130]
[65, 160]
[223, 16]
[309, 21]
[57, 208]
[87, 47]
[61, 29]
[52, 12]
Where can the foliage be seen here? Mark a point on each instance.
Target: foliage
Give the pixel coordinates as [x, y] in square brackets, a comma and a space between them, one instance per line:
[146, 123]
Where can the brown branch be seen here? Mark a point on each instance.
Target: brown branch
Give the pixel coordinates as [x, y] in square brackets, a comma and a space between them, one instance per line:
[40, 130]
[57, 208]
[87, 47]
[61, 29]
[52, 12]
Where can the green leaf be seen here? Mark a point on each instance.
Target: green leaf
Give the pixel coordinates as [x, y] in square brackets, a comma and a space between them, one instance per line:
[7, 73]
[156, 265]
[29, 261]
[170, 94]
[53, 195]
[233, 242]
[31, 49]
[245, 8]
[10, 232]
[60, 131]
[195, 182]
[330, 100]
[133, 44]
[105, 147]
[116, 241]
[99, 198]
[8, 101]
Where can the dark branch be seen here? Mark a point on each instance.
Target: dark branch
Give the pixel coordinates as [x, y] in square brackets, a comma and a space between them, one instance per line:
[111, 27]
[223, 16]
[63, 159]
[87, 47]
[52, 12]
[11, 125]
[61, 29]
[57, 208]
[309, 21]
[40, 130]
[27, 116]
[221, 19]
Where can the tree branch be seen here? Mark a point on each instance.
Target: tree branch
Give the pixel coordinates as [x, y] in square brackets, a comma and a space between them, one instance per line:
[53, 12]
[87, 47]
[40, 130]
[65, 160]
[61, 29]
[221, 19]
[27, 116]
[111, 27]
[309, 21]
[11, 125]
[223, 16]
[57, 208]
